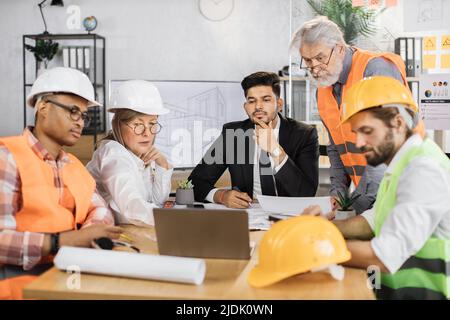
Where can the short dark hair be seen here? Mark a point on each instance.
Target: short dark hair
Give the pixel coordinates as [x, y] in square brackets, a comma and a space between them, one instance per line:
[387, 114]
[262, 78]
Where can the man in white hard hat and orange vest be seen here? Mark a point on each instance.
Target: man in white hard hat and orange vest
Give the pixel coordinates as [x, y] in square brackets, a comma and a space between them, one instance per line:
[334, 67]
[47, 197]
[406, 235]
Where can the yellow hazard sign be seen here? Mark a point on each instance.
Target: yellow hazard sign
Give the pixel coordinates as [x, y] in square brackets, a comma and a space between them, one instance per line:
[446, 42]
[429, 43]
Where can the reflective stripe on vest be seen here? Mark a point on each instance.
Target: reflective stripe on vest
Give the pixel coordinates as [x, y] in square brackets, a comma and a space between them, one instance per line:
[426, 275]
[329, 111]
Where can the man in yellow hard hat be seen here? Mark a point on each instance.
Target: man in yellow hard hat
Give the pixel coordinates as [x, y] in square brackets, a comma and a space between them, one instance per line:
[407, 233]
[47, 197]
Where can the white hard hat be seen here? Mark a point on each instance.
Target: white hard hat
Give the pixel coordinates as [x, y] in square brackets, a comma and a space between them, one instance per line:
[138, 95]
[62, 79]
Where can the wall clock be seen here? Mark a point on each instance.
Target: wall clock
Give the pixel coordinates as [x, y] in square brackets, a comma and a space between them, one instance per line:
[216, 10]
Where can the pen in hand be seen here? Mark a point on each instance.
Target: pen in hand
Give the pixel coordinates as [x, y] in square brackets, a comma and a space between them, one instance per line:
[235, 188]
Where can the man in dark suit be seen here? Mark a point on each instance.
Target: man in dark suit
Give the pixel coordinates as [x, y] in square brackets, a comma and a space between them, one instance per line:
[266, 154]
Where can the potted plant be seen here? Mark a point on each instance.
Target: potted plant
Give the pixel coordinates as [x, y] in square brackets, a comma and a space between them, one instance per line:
[353, 21]
[345, 202]
[43, 51]
[185, 192]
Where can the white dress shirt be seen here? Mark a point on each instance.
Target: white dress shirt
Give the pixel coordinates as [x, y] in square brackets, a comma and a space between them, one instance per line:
[422, 209]
[130, 189]
[256, 178]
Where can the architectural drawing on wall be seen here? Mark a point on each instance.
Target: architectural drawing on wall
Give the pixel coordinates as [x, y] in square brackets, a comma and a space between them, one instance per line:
[425, 15]
[198, 111]
[429, 10]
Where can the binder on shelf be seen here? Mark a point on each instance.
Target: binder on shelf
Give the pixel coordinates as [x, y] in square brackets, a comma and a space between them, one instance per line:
[65, 52]
[414, 87]
[418, 56]
[80, 60]
[86, 59]
[73, 57]
[410, 59]
[410, 50]
[400, 47]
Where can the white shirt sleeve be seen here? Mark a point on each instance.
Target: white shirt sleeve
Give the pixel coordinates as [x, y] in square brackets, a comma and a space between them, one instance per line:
[210, 196]
[422, 203]
[161, 184]
[118, 176]
[281, 164]
[369, 215]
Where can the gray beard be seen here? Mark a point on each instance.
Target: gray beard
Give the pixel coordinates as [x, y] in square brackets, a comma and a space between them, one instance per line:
[325, 82]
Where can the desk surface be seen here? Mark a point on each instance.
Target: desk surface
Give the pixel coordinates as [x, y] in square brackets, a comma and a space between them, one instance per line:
[225, 279]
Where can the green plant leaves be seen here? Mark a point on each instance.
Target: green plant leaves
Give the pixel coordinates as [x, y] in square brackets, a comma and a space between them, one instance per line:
[44, 50]
[353, 21]
[345, 200]
[185, 184]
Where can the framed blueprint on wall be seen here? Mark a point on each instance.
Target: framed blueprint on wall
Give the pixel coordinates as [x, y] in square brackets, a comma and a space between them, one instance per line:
[198, 110]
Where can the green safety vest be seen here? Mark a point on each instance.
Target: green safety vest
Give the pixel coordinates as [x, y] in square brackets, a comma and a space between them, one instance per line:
[426, 275]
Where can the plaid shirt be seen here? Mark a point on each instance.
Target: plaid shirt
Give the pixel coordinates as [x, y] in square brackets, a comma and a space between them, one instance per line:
[24, 248]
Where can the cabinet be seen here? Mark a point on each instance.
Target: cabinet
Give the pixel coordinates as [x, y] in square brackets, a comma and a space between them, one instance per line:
[85, 52]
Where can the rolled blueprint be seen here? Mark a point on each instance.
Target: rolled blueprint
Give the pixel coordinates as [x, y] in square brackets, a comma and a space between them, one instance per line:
[132, 265]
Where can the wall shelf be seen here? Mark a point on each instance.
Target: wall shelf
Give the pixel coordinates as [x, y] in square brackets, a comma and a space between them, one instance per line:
[85, 52]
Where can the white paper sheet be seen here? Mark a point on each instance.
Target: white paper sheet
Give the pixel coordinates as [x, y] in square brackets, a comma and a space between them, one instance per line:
[292, 205]
[132, 265]
[257, 217]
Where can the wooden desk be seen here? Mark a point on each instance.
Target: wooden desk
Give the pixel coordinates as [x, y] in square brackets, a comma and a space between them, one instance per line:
[225, 279]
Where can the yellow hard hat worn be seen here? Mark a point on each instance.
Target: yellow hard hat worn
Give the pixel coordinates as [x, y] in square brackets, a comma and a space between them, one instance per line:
[374, 92]
[295, 246]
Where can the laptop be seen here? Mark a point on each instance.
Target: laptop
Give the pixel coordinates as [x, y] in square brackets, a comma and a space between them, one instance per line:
[203, 233]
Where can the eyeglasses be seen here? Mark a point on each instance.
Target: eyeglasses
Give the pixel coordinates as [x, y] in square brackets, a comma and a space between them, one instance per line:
[75, 113]
[306, 64]
[139, 128]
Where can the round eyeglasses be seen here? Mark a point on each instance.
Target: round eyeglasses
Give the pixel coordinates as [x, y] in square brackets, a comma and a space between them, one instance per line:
[74, 111]
[139, 128]
[306, 63]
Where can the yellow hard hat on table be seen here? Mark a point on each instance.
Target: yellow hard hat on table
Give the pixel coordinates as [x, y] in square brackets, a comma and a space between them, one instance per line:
[295, 246]
[374, 92]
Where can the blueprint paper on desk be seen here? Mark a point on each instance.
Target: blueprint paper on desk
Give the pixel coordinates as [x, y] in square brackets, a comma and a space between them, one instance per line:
[292, 206]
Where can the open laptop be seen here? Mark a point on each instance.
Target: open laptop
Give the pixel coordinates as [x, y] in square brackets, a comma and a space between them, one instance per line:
[202, 233]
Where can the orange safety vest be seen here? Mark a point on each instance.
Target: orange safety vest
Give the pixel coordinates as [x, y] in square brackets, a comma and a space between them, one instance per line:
[344, 139]
[41, 211]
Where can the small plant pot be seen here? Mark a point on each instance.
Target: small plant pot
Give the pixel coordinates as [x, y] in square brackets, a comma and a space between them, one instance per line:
[41, 68]
[184, 196]
[342, 215]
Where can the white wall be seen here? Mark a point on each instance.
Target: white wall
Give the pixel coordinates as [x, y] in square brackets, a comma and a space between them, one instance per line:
[152, 39]
[168, 40]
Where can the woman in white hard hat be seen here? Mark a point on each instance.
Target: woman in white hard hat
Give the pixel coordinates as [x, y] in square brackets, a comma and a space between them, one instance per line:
[123, 163]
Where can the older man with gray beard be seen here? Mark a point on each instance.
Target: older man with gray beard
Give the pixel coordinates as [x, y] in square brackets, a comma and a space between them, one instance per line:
[334, 66]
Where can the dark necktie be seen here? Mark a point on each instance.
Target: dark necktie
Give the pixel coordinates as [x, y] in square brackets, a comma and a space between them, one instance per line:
[266, 174]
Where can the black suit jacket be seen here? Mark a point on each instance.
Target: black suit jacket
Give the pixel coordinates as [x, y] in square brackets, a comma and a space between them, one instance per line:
[297, 178]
